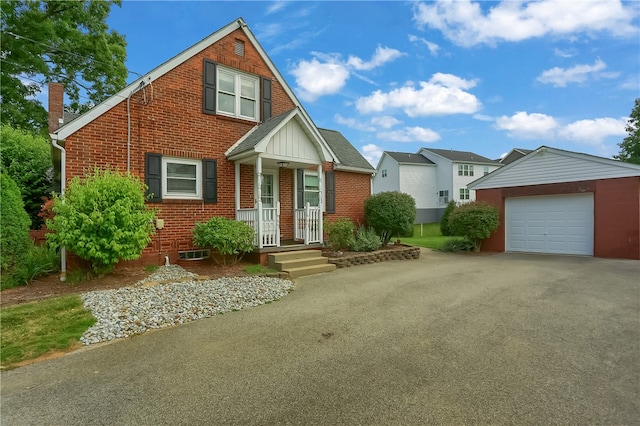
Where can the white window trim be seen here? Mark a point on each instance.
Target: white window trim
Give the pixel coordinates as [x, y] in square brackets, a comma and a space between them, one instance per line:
[464, 194]
[465, 170]
[184, 195]
[237, 95]
[444, 198]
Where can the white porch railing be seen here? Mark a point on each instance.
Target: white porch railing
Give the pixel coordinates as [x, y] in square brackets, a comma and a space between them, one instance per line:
[308, 224]
[266, 230]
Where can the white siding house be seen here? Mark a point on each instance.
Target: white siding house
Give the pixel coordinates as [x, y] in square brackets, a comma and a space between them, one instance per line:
[433, 177]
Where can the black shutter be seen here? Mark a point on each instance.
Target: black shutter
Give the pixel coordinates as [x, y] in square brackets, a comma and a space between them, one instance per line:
[210, 178]
[330, 184]
[266, 98]
[300, 188]
[153, 176]
[209, 87]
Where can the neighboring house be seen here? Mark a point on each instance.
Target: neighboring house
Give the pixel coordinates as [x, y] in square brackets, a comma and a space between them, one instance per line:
[217, 131]
[563, 202]
[433, 177]
[513, 155]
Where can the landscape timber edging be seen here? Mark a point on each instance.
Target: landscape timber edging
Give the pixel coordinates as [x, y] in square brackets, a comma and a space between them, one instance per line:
[353, 259]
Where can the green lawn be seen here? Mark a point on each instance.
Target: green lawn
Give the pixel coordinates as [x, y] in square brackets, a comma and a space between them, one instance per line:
[426, 235]
[34, 329]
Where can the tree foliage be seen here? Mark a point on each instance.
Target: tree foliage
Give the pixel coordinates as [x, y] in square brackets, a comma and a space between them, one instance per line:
[102, 218]
[26, 158]
[230, 238]
[390, 214]
[630, 146]
[64, 41]
[475, 221]
[444, 220]
[14, 226]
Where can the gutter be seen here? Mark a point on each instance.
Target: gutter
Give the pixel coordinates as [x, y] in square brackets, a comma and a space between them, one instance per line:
[63, 182]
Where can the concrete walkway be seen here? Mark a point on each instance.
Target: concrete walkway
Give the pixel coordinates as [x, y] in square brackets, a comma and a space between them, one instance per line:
[447, 339]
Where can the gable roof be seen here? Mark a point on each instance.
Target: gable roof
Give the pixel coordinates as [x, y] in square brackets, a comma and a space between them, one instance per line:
[551, 165]
[68, 129]
[409, 158]
[514, 154]
[349, 157]
[460, 156]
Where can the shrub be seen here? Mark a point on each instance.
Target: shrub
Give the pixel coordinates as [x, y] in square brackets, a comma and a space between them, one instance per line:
[14, 227]
[390, 213]
[457, 244]
[445, 229]
[339, 233]
[102, 218]
[475, 221]
[230, 238]
[26, 158]
[366, 240]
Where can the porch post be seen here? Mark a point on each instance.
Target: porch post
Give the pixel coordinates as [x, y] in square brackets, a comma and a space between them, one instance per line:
[237, 183]
[320, 200]
[258, 204]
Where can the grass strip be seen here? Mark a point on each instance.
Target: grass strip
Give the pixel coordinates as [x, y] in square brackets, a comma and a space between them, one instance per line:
[33, 329]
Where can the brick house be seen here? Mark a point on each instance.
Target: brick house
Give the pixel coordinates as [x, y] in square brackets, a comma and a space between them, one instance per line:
[216, 131]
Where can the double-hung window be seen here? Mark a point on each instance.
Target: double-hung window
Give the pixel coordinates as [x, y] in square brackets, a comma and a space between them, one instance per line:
[465, 170]
[182, 178]
[238, 94]
[384, 173]
[443, 196]
[464, 194]
[311, 190]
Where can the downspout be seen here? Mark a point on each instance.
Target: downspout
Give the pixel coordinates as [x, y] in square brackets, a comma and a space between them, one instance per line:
[63, 182]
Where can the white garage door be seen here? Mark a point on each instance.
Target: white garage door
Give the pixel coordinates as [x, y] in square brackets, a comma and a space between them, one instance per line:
[550, 224]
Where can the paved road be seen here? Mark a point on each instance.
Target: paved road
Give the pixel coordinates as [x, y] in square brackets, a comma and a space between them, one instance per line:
[447, 339]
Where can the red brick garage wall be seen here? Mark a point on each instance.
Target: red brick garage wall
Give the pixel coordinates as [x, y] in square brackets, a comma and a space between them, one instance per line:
[616, 213]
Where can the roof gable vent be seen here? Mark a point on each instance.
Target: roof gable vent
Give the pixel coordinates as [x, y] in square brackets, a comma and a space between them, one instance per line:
[239, 47]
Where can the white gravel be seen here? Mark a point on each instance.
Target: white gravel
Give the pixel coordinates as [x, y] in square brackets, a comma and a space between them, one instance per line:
[172, 296]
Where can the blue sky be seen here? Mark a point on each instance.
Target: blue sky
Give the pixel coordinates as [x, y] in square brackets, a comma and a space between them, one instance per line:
[397, 76]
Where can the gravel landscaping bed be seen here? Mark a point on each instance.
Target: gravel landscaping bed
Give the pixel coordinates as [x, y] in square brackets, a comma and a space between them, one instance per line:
[173, 296]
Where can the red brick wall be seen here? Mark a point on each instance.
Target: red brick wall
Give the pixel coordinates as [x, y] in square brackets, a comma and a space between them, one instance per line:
[172, 123]
[352, 189]
[616, 213]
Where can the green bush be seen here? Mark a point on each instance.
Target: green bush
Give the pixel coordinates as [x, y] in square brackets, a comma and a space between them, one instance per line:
[230, 238]
[102, 218]
[366, 240]
[444, 220]
[26, 158]
[390, 214]
[457, 245]
[14, 225]
[339, 233]
[475, 221]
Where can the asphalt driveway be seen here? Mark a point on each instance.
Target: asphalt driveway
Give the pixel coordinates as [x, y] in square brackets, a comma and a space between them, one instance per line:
[447, 339]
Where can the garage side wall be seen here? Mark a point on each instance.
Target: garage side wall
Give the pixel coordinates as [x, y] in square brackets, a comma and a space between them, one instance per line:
[617, 218]
[496, 242]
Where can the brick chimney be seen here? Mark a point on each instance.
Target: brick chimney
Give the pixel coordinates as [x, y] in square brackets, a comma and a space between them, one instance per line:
[56, 105]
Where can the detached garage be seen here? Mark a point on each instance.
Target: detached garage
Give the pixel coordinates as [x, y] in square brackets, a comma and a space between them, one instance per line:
[562, 202]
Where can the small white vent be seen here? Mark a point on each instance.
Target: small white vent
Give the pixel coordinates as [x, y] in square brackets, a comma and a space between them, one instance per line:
[239, 48]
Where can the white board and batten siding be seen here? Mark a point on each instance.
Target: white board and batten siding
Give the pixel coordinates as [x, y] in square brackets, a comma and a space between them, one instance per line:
[292, 142]
[561, 224]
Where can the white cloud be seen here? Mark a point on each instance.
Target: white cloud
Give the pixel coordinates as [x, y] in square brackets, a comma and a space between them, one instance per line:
[326, 74]
[385, 121]
[483, 117]
[315, 79]
[409, 134]
[381, 56]
[433, 47]
[353, 123]
[467, 24]
[593, 132]
[523, 125]
[442, 94]
[560, 77]
[569, 53]
[276, 6]
[372, 153]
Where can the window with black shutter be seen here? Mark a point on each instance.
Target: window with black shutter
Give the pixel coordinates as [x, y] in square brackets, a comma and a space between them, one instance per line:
[153, 177]
[266, 98]
[210, 181]
[209, 87]
[330, 183]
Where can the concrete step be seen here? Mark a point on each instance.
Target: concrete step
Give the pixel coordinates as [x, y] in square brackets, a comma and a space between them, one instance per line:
[274, 258]
[310, 270]
[285, 265]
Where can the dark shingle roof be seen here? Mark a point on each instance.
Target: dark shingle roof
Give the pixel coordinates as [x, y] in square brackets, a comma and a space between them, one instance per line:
[406, 157]
[461, 156]
[342, 148]
[259, 133]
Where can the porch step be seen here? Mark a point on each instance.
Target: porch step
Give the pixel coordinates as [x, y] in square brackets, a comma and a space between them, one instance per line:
[300, 263]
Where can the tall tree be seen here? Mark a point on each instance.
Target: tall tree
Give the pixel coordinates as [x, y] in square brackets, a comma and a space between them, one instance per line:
[64, 41]
[630, 146]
